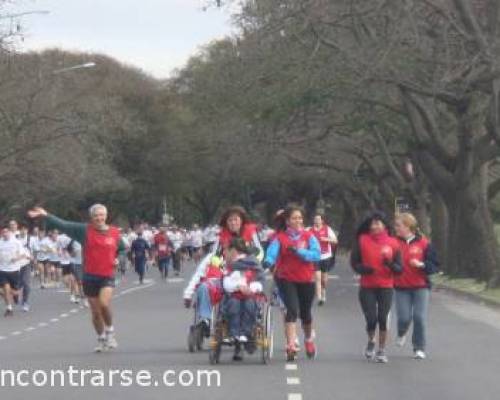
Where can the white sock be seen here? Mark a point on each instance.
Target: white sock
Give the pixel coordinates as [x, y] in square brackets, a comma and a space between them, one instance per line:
[9, 307]
[109, 329]
[102, 336]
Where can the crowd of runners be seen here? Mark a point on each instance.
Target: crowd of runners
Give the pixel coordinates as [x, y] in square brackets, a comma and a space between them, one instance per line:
[232, 258]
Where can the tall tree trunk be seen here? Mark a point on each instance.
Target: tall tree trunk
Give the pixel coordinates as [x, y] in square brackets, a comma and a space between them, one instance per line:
[350, 219]
[440, 229]
[473, 248]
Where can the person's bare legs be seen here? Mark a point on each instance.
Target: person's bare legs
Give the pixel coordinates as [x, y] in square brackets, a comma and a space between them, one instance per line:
[97, 318]
[318, 286]
[291, 334]
[105, 296]
[382, 339]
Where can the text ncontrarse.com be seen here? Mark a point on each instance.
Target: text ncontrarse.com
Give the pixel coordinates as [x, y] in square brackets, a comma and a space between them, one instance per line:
[74, 377]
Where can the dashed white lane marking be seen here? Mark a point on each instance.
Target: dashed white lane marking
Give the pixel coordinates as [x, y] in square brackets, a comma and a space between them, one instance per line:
[292, 381]
[16, 333]
[2, 338]
[29, 329]
[145, 281]
[294, 396]
[130, 290]
[42, 324]
[335, 277]
[64, 315]
[74, 310]
[175, 280]
[54, 320]
[291, 367]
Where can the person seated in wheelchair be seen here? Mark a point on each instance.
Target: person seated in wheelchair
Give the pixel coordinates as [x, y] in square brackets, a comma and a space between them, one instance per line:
[243, 284]
[207, 291]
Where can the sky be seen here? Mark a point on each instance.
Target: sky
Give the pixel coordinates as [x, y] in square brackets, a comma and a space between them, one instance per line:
[156, 36]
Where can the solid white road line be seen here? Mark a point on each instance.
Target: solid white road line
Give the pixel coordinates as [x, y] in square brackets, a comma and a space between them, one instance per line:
[292, 381]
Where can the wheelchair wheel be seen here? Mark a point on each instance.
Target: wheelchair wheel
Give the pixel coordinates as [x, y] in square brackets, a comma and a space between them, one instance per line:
[216, 336]
[199, 338]
[268, 335]
[192, 338]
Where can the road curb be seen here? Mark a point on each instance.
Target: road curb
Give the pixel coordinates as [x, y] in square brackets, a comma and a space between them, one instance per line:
[466, 296]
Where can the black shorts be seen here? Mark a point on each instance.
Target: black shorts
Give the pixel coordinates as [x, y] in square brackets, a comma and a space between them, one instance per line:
[67, 269]
[325, 265]
[13, 279]
[93, 284]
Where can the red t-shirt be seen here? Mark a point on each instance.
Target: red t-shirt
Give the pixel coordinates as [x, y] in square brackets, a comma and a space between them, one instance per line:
[163, 245]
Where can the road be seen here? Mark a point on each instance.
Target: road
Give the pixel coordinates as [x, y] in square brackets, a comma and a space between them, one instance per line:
[151, 324]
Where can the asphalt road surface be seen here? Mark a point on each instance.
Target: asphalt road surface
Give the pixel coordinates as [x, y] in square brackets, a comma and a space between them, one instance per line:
[151, 326]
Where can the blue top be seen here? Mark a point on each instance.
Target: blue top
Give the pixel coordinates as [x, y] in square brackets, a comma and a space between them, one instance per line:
[311, 254]
[139, 247]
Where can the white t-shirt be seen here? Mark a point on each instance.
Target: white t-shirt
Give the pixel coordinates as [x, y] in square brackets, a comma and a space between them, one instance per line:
[76, 254]
[48, 250]
[10, 251]
[197, 238]
[62, 243]
[176, 238]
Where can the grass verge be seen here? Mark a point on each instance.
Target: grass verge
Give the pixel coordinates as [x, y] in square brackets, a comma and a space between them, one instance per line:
[468, 286]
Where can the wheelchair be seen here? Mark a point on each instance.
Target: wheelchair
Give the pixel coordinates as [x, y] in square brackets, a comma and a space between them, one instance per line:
[262, 340]
[197, 333]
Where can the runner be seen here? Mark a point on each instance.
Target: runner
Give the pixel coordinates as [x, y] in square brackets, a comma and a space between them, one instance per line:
[25, 271]
[163, 251]
[12, 256]
[101, 244]
[68, 276]
[328, 242]
[140, 254]
[293, 252]
[75, 251]
[413, 285]
[197, 243]
[177, 239]
[376, 257]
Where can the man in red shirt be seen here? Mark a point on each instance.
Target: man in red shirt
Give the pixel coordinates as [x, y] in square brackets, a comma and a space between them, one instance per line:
[163, 249]
[100, 243]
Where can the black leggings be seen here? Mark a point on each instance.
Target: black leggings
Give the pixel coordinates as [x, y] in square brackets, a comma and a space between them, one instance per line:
[376, 304]
[298, 299]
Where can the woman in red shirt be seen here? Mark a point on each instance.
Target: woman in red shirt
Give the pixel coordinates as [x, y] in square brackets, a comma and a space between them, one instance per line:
[377, 258]
[293, 252]
[413, 285]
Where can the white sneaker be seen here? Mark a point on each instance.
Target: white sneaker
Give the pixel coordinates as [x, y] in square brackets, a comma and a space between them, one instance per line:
[243, 339]
[26, 307]
[111, 342]
[72, 298]
[86, 303]
[420, 355]
[101, 345]
[401, 341]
